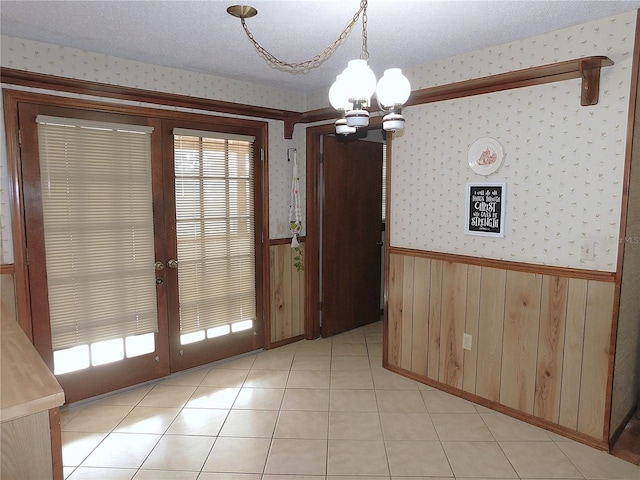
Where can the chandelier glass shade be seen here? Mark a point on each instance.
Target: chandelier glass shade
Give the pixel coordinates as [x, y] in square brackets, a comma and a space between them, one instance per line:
[338, 95]
[353, 89]
[351, 95]
[340, 101]
[393, 91]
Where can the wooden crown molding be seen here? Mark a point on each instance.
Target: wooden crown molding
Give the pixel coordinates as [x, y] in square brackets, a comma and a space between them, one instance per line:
[586, 68]
[85, 87]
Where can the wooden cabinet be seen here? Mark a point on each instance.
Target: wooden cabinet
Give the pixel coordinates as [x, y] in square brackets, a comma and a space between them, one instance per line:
[30, 398]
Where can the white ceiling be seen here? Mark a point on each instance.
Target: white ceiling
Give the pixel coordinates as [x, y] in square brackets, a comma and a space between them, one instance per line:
[200, 36]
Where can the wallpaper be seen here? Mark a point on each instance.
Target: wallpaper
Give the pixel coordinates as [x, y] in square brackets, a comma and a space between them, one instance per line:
[563, 163]
[281, 175]
[69, 62]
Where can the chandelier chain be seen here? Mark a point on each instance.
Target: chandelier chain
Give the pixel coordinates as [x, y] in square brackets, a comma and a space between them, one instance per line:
[365, 49]
[316, 61]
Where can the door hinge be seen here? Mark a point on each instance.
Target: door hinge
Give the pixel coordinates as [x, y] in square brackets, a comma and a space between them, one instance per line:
[320, 306]
[20, 138]
[321, 155]
[262, 237]
[262, 154]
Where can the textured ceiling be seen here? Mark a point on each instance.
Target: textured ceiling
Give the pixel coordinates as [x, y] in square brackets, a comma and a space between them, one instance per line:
[200, 36]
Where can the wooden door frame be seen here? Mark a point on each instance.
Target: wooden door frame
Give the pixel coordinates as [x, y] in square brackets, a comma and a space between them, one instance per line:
[224, 348]
[12, 98]
[312, 242]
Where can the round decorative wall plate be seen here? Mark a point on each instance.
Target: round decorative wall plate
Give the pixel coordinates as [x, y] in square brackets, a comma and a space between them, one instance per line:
[485, 155]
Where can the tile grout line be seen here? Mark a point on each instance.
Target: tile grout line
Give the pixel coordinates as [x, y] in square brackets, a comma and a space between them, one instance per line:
[378, 388]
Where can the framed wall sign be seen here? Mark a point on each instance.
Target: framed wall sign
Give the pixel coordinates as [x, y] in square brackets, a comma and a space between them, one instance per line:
[485, 209]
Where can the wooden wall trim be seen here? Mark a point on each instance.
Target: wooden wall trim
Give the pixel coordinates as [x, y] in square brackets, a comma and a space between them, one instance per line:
[284, 241]
[13, 96]
[631, 120]
[18, 228]
[508, 265]
[85, 87]
[587, 68]
[312, 245]
[624, 212]
[7, 268]
[553, 427]
[286, 341]
[56, 443]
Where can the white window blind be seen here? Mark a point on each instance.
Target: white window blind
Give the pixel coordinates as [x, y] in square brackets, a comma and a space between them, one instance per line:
[214, 188]
[98, 227]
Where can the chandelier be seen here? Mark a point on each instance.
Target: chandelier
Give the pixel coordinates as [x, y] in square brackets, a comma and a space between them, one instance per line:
[351, 93]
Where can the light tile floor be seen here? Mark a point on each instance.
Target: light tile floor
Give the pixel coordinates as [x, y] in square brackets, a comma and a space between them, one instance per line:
[314, 410]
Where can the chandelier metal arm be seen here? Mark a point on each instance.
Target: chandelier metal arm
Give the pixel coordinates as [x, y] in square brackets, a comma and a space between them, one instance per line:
[316, 61]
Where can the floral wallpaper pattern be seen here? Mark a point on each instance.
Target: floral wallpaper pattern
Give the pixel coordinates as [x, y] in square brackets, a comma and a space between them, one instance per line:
[69, 62]
[281, 175]
[73, 63]
[563, 163]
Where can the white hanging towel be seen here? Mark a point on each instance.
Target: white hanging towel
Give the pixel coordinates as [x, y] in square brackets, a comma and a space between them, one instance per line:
[295, 210]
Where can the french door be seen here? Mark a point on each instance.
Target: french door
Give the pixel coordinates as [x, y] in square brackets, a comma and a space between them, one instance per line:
[212, 236]
[142, 244]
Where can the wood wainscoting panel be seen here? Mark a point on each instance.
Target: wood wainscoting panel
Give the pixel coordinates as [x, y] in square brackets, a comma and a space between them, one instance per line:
[553, 315]
[408, 293]
[287, 294]
[435, 324]
[490, 332]
[595, 360]
[540, 340]
[297, 298]
[454, 306]
[394, 309]
[572, 353]
[474, 276]
[520, 341]
[421, 302]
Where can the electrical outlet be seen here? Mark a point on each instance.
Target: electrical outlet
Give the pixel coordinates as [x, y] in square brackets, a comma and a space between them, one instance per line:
[466, 341]
[587, 250]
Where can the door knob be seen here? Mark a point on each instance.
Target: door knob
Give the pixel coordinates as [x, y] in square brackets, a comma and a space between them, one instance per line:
[172, 263]
[379, 243]
[159, 266]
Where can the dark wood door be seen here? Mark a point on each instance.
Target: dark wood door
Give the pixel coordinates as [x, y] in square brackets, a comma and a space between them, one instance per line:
[164, 351]
[208, 228]
[351, 234]
[87, 377]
